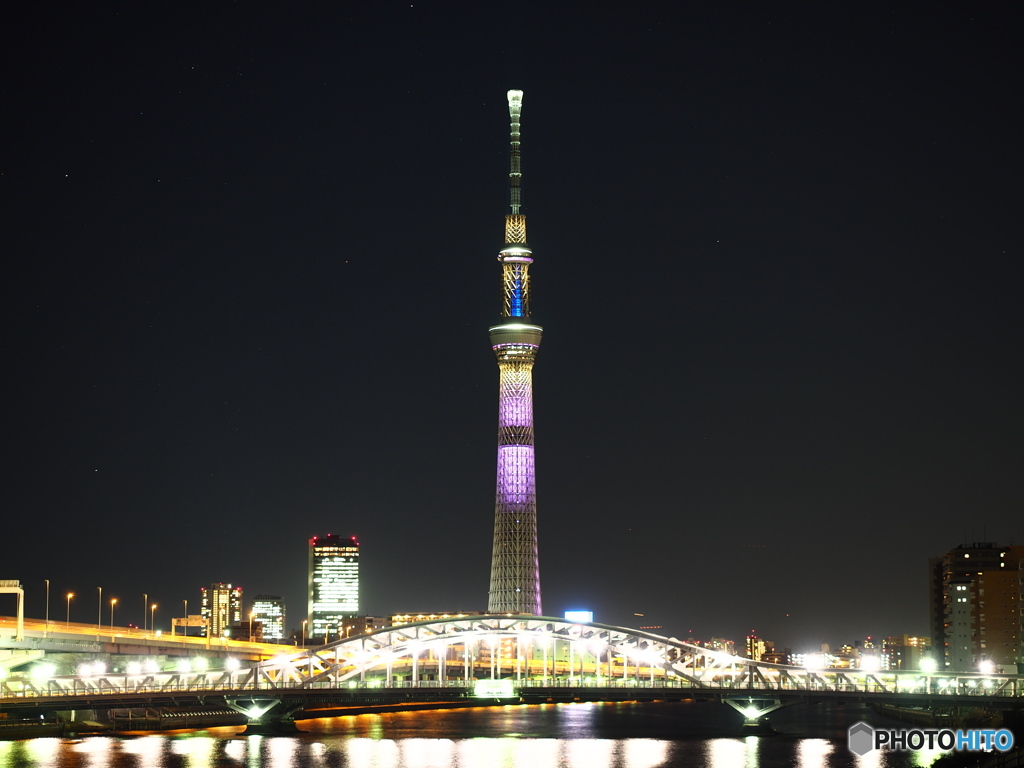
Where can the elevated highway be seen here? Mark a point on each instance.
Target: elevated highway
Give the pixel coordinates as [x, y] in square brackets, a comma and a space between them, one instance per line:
[39, 638]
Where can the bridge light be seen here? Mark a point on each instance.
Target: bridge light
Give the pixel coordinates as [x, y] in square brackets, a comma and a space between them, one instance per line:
[929, 665]
[88, 670]
[870, 664]
[152, 667]
[184, 665]
[42, 672]
[986, 667]
[199, 663]
[814, 661]
[231, 664]
[134, 668]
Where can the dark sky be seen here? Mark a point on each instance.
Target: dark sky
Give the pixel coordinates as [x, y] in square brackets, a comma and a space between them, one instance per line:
[252, 262]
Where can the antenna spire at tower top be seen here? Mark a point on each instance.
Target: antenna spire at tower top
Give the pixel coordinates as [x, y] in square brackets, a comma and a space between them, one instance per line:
[515, 108]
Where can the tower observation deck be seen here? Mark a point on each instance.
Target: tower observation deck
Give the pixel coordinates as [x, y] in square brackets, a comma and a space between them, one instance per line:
[515, 573]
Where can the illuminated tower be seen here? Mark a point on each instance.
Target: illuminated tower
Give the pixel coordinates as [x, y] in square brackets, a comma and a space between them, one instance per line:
[515, 575]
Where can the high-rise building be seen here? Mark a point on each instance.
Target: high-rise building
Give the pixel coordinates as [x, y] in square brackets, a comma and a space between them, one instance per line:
[268, 610]
[515, 573]
[904, 652]
[757, 647]
[221, 608]
[975, 596]
[333, 584]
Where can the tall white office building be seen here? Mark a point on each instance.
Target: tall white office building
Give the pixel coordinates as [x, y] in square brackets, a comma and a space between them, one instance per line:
[333, 585]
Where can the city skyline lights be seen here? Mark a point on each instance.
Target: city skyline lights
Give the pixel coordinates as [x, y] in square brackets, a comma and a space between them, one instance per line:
[253, 260]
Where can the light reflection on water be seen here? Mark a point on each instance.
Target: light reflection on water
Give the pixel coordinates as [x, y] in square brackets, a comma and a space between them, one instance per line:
[872, 760]
[40, 751]
[587, 736]
[812, 752]
[584, 753]
[644, 753]
[733, 752]
[148, 751]
[95, 752]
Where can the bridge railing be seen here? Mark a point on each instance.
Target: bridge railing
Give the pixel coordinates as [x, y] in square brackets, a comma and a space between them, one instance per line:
[119, 685]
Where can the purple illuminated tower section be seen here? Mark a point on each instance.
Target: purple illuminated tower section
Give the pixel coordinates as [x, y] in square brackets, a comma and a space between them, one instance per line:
[515, 574]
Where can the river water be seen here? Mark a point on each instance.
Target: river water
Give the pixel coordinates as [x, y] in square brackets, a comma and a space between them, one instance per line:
[579, 735]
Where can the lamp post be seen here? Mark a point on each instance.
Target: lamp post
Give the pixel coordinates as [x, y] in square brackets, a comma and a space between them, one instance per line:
[304, 622]
[67, 618]
[47, 629]
[99, 612]
[250, 625]
[186, 617]
[113, 602]
[145, 610]
[152, 619]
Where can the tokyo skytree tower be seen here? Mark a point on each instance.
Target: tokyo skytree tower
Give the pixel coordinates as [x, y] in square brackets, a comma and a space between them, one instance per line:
[515, 574]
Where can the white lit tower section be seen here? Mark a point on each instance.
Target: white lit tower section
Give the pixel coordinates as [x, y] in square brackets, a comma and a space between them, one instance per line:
[333, 584]
[515, 574]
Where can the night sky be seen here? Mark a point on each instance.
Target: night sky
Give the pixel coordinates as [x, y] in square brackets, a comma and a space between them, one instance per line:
[253, 263]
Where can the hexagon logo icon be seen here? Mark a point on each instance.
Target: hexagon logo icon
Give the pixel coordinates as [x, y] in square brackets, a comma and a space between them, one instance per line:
[860, 738]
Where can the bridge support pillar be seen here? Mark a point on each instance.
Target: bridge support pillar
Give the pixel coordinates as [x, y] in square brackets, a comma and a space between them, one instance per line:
[265, 714]
[753, 709]
[13, 586]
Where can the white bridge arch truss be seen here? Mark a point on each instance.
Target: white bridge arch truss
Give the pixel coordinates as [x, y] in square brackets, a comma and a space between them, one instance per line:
[548, 652]
[529, 649]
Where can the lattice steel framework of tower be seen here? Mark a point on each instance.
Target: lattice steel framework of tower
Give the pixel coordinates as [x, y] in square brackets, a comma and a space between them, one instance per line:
[515, 573]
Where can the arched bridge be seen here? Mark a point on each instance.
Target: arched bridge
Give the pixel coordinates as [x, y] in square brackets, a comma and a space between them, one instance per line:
[527, 658]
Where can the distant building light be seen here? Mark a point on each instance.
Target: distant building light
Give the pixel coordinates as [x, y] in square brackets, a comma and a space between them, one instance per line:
[494, 689]
[580, 617]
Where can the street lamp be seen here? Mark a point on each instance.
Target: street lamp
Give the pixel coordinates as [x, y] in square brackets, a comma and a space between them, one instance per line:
[99, 612]
[304, 622]
[250, 624]
[67, 618]
[152, 619]
[113, 602]
[145, 610]
[45, 631]
[186, 617]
